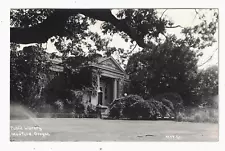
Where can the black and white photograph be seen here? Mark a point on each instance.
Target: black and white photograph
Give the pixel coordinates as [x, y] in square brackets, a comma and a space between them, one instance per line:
[114, 75]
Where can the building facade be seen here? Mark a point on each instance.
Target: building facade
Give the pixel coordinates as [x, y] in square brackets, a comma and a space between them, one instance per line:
[111, 78]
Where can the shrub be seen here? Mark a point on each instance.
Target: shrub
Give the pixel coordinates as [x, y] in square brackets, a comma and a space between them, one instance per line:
[46, 108]
[90, 111]
[180, 117]
[197, 118]
[139, 109]
[198, 115]
[167, 103]
[76, 101]
[115, 110]
[60, 105]
[135, 107]
[125, 107]
[159, 109]
[154, 108]
[172, 101]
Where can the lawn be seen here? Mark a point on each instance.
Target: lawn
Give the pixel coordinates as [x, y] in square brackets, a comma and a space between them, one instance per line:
[75, 129]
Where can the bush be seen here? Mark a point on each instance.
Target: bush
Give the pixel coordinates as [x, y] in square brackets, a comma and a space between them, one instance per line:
[159, 109]
[60, 105]
[198, 115]
[90, 111]
[132, 106]
[139, 109]
[46, 108]
[125, 107]
[115, 109]
[167, 103]
[180, 117]
[197, 118]
[74, 102]
[172, 101]
[135, 107]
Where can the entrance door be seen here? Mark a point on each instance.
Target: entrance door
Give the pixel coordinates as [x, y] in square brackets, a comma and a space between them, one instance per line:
[106, 92]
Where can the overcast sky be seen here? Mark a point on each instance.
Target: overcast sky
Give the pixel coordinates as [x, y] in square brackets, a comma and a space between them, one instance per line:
[187, 18]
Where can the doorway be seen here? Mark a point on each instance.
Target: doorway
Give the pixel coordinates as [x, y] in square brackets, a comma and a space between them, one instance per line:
[106, 85]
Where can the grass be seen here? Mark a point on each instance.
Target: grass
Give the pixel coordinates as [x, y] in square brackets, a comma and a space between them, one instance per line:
[95, 129]
[83, 129]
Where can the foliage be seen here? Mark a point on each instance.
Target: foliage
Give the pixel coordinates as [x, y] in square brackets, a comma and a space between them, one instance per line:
[144, 22]
[76, 76]
[60, 105]
[157, 108]
[28, 17]
[34, 84]
[28, 74]
[167, 103]
[118, 105]
[163, 66]
[207, 88]
[90, 111]
[202, 35]
[142, 26]
[171, 100]
[209, 79]
[76, 101]
[169, 67]
[132, 106]
[135, 107]
[204, 115]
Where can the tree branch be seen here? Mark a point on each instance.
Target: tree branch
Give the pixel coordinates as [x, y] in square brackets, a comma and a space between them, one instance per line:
[174, 26]
[52, 26]
[196, 13]
[163, 13]
[133, 48]
[208, 58]
[55, 24]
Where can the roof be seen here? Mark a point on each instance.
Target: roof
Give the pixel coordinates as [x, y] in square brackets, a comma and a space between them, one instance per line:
[106, 62]
[102, 59]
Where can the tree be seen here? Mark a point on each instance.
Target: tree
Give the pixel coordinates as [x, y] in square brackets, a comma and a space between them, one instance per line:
[36, 32]
[29, 69]
[207, 86]
[169, 67]
[69, 31]
[38, 25]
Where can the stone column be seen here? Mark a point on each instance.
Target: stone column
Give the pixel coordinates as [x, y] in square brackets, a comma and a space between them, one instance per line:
[98, 88]
[98, 82]
[115, 89]
[119, 88]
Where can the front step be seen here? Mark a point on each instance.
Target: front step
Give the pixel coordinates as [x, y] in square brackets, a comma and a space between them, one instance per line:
[103, 111]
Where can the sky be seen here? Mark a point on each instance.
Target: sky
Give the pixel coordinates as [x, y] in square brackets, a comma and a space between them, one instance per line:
[186, 18]
[183, 17]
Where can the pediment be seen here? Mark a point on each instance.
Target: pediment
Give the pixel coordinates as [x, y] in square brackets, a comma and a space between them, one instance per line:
[111, 63]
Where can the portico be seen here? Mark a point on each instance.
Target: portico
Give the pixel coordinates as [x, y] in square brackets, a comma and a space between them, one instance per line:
[110, 80]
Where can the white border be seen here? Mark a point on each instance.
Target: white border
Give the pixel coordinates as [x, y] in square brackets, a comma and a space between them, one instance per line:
[4, 66]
